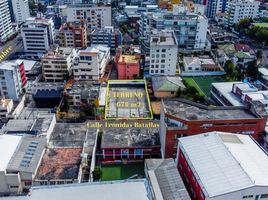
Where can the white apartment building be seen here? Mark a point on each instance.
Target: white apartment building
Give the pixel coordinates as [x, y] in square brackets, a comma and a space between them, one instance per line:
[240, 9]
[163, 53]
[21, 10]
[12, 80]
[38, 34]
[57, 64]
[5, 21]
[19, 162]
[91, 62]
[190, 28]
[96, 16]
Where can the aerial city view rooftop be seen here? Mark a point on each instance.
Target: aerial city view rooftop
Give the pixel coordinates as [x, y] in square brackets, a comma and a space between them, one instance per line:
[134, 99]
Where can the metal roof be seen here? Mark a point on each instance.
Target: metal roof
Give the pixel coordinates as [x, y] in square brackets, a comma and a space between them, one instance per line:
[168, 180]
[8, 145]
[28, 154]
[224, 162]
[109, 190]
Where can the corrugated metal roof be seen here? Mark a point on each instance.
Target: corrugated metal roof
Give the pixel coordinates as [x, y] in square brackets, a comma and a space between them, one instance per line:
[168, 179]
[225, 164]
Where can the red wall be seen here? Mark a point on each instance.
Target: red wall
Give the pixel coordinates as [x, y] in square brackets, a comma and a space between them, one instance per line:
[189, 179]
[127, 70]
[256, 125]
[150, 152]
[22, 74]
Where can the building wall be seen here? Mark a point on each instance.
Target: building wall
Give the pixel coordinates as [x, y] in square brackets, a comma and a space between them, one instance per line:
[22, 75]
[163, 60]
[161, 94]
[21, 10]
[190, 29]
[9, 183]
[90, 69]
[73, 35]
[57, 67]
[112, 40]
[111, 154]
[251, 127]
[97, 17]
[193, 184]
[36, 38]
[5, 24]
[11, 84]
[126, 71]
[241, 9]
[189, 178]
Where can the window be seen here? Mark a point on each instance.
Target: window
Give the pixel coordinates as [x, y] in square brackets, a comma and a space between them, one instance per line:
[248, 196]
[163, 50]
[264, 196]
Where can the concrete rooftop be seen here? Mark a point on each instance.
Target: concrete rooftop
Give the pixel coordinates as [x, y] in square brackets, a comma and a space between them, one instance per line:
[192, 111]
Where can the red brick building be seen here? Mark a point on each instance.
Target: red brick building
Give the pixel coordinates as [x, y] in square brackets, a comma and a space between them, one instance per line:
[181, 118]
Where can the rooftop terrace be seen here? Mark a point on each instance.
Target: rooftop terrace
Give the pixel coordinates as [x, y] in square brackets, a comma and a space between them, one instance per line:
[132, 136]
[129, 59]
[68, 135]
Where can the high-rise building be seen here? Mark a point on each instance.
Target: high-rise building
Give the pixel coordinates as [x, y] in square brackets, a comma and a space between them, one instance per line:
[214, 7]
[190, 28]
[96, 16]
[73, 34]
[240, 9]
[20, 10]
[57, 64]
[5, 21]
[163, 53]
[38, 34]
[13, 79]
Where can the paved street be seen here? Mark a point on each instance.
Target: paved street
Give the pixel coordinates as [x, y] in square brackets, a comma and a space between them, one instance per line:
[10, 48]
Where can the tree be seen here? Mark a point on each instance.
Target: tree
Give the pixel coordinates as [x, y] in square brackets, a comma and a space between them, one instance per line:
[259, 54]
[243, 24]
[231, 71]
[97, 174]
[252, 70]
[258, 34]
